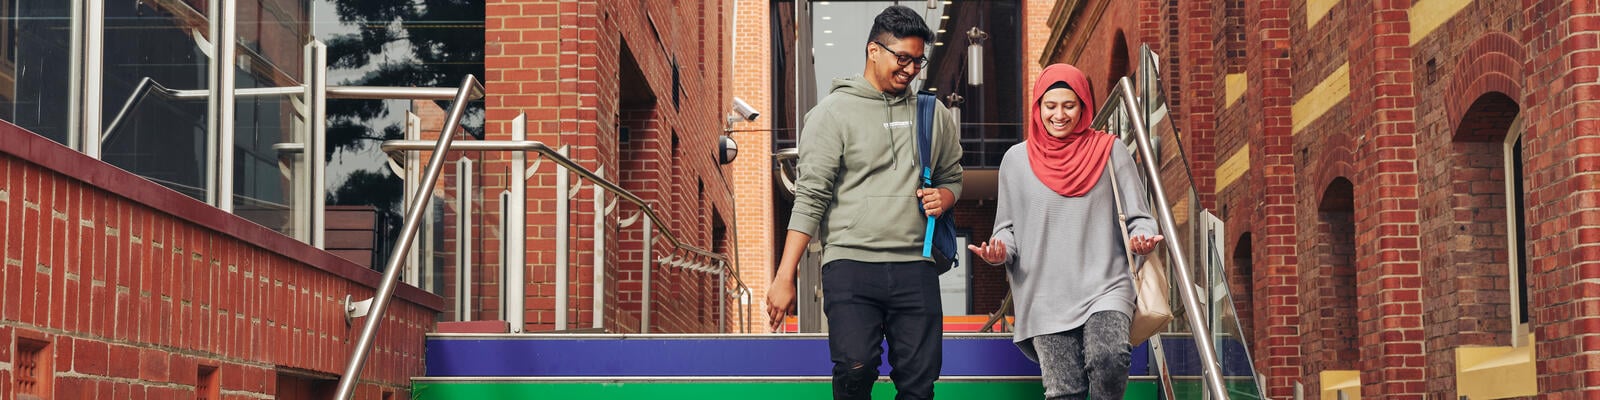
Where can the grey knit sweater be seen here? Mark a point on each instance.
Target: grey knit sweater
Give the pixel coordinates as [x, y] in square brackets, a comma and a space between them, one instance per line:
[1064, 254]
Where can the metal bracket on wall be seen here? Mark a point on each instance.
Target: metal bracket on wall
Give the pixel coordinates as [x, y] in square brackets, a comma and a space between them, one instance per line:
[355, 310]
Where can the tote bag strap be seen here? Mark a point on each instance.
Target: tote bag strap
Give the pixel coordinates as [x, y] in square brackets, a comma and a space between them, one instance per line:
[1122, 217]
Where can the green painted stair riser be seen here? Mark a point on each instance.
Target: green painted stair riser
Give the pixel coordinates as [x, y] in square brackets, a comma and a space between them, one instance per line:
[809, 390]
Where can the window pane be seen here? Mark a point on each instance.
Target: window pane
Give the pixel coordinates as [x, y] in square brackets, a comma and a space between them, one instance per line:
[427, 44]
[35, 65]
[267, 146]
[159, 137]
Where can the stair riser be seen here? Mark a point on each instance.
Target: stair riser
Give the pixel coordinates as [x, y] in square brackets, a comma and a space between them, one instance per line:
[811, 390]
[709, 357]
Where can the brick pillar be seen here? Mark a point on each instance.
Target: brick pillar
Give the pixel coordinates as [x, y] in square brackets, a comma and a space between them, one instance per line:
[1197, 41]
[752, 170]
[1562, 146]
[1388, 261]
[1277, 341]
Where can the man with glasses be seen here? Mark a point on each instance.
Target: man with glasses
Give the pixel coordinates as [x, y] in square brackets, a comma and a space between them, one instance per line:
[859, 193]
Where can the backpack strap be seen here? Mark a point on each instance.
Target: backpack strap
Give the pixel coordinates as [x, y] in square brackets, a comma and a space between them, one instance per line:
[925, 103]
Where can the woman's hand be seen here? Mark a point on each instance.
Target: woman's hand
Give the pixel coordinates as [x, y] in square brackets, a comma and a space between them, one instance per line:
[1141, 244]
[993, 253]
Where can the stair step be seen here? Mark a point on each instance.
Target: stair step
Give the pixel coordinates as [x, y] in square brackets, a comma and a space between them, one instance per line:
[429, 389]
[657, 355]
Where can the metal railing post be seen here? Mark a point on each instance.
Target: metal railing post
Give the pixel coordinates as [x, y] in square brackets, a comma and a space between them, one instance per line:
[516, 236]
[561, 245]
[317, 102]
[599, 283]
[94, 39]
[649, 265]
[408, 233]
[1212, 372]
[722, 300]
[464, 266]
[222, 97]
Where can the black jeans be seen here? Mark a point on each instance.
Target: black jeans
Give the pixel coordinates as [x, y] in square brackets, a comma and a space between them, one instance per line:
[868, 303]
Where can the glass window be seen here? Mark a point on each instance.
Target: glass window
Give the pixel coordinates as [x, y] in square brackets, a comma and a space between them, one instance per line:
[268, 138]
[158, 136]
[427, 44]
[35, 65]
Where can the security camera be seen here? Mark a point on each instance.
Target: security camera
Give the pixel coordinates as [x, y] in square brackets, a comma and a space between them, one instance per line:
[745, 110]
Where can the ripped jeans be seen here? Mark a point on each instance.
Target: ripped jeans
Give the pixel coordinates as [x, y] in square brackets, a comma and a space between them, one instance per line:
[868, 303]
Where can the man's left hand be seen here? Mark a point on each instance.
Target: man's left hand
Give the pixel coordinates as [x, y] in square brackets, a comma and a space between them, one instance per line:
[936, 201]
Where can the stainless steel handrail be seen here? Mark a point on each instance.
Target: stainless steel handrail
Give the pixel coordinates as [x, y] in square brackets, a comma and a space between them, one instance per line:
[470, 88]
[148, 85]
[1212, 370]
[553, 155]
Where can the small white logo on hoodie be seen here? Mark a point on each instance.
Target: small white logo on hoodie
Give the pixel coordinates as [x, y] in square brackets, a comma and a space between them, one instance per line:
[897, 124]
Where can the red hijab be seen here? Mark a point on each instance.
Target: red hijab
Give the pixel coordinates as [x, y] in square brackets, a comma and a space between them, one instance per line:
[1070, 165]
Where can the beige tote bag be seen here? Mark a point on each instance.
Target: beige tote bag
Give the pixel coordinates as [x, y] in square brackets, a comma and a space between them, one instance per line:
[1151, 308]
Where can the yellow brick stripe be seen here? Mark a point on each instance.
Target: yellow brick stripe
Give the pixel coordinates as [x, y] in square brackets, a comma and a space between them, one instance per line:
[1331, 91]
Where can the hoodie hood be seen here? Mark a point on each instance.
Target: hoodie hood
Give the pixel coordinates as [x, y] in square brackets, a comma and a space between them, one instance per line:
[895, 106]
[859, 87]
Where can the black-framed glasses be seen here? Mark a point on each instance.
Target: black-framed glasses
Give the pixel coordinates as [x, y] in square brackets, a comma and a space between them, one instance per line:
[903, 59]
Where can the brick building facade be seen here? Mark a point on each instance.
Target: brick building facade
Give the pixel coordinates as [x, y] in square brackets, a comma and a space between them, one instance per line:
[115, 287]
[632, 87]
[118, 287]
[1366, 159]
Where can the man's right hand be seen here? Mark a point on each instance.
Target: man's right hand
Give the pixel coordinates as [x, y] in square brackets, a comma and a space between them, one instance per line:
[780, 300]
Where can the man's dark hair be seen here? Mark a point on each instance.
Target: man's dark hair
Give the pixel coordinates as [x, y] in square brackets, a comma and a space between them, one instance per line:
[900, 22]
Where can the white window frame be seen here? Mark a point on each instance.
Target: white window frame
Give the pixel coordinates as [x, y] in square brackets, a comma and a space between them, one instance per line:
[1519, 330]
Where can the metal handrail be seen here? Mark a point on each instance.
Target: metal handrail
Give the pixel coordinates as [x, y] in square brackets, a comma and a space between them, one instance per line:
[470, 88]
[544, 150]
[148, 85]
[1212, 370]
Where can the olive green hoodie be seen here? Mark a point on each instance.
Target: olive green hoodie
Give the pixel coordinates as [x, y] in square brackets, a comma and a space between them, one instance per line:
[859, 172]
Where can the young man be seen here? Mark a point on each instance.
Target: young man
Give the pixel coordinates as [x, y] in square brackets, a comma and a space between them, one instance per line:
[859, 192]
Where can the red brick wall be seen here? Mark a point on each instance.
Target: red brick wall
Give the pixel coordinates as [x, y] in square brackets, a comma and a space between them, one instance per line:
[1563, 152]
[751, 172]
[135, 289]
[559, 62]
[1419, 140]
[1388, 259]
[1262, 211]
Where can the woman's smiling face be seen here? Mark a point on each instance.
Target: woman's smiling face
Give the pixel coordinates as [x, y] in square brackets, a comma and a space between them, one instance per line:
[1059, 109]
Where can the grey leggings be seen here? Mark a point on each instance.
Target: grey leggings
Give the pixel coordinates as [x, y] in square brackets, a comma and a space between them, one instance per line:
[1090, 361]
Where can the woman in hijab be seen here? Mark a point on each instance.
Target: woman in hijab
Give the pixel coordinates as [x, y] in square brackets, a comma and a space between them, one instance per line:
[1056, 232]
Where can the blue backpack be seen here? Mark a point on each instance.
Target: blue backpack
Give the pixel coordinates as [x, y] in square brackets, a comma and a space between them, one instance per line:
[939, 242]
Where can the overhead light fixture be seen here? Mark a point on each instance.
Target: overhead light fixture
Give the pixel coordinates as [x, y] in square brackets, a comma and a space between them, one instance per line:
[828, 44]
[827, 31]
[825, 18]
[938, 43]
[937, 31]
[975, 56]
